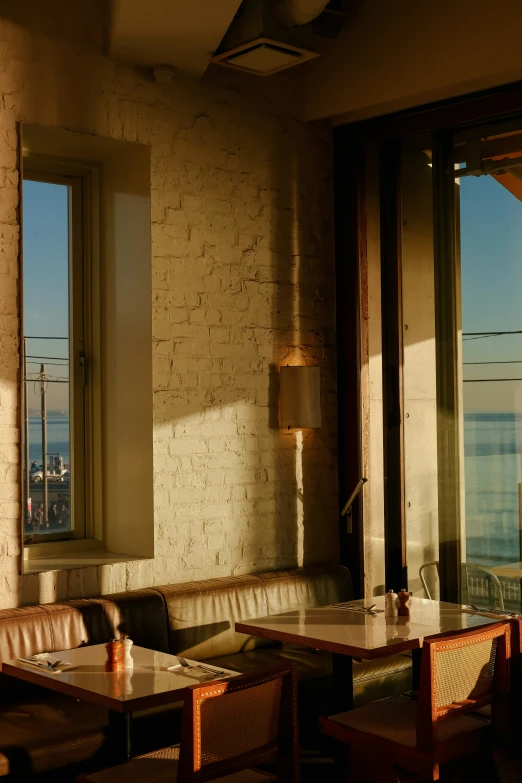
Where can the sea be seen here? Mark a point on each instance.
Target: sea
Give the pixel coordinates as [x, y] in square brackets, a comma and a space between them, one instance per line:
[58, 440]
[493, 476]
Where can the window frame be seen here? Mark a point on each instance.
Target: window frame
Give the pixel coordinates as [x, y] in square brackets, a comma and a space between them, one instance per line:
[84, 353]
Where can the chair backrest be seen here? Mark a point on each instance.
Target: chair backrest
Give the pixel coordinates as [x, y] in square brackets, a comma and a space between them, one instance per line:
[494, 586]
[238, 723]
[461, 673]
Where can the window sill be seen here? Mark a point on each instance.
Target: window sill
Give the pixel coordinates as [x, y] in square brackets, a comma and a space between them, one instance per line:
[87, 559]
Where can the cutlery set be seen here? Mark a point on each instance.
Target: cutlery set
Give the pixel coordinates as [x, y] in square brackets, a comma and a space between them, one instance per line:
[356, 608]
[47, 665]
[186, 665]
[486, 610]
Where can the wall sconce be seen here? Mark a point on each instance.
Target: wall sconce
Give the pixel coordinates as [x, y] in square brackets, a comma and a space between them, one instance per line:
[300, 397]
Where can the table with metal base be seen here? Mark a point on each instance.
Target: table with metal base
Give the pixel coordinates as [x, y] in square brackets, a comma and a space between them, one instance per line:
[147, 684]
[347, 633]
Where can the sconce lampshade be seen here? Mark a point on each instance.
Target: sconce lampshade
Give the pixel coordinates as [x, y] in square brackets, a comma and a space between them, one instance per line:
[300, 397]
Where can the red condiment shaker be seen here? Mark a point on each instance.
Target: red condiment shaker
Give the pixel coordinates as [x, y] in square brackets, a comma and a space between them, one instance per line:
[115, 651]
[404, 603]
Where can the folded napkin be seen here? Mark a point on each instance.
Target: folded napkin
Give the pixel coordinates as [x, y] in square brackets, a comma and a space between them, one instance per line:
[46, 662]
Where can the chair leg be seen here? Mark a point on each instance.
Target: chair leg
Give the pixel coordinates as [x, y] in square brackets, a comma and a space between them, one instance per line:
[404, 776]
[488, 769]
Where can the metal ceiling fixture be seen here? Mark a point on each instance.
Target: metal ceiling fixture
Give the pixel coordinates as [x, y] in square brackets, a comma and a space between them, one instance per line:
[297, 12]
[268, 36]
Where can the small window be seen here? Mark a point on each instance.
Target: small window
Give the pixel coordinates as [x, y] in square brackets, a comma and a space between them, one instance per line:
[87, 446]
[55, 421]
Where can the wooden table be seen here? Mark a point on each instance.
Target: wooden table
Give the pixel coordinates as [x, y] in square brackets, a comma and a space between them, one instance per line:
[349, 634]
[148, 684]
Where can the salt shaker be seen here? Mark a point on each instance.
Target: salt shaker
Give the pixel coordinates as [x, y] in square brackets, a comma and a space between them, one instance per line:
[390, 604]
[128, 662]
[404, 603]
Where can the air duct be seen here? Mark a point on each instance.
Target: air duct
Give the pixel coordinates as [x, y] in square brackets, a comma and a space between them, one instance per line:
[293, 13]
[268, 36]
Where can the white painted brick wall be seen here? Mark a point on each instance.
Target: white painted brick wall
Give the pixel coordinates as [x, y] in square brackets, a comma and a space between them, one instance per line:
[242, 281]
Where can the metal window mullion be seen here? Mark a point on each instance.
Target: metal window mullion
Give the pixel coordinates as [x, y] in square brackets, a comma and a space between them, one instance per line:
[392, 365]
[447, 357]
[77, 349]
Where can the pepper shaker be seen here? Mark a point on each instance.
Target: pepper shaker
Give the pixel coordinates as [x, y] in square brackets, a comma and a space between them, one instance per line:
[390, 604]
[404, 603]
[114, 660]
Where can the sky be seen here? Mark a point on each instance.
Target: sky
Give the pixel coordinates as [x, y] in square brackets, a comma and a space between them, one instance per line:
[46, 284]
[491, 260]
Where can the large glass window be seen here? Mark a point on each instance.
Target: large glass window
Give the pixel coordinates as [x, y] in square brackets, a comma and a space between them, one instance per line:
[462, 364]
[53, 357]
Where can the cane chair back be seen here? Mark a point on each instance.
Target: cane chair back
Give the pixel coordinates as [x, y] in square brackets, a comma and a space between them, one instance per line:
[460, 674]
[228, 727]
[232, 724]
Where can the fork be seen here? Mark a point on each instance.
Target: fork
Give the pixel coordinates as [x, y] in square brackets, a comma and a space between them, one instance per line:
[187, 665]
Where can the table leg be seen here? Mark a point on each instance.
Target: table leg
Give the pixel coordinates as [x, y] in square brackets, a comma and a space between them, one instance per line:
[342, 700]
[120, 734]
[342, 671]
[416, 658]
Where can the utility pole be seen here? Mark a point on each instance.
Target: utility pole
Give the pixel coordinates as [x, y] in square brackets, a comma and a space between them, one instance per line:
[43, 401]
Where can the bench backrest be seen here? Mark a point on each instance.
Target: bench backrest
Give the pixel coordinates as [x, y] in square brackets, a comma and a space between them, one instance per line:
[202, 615]
[139, 614]
[194, 618]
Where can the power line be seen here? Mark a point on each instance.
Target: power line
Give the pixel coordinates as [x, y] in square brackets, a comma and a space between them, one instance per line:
[49, 364]
[490, 380]
[47, 380]
[516, 331]
[506, 361]
[61, 358]
[481, 335]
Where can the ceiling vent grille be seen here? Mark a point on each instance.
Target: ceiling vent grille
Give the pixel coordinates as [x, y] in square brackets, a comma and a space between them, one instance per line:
[263, 57]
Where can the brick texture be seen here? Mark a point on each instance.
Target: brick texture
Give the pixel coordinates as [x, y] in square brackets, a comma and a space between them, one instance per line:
[242, 282]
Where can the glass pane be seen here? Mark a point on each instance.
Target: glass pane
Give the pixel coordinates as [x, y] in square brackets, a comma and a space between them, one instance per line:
[462, 367]
[47, 433]
[491, 279]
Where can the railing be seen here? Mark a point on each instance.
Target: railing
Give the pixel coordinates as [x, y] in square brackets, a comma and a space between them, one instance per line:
[479, 591]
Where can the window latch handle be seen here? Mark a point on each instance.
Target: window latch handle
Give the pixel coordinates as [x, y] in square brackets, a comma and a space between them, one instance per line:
[347, 508]
[83, 368]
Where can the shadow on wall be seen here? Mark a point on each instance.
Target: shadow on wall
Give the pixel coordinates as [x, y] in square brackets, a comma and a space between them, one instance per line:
[303, 318]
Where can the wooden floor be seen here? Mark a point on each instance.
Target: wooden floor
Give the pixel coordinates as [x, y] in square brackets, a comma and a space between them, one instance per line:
[316, 768]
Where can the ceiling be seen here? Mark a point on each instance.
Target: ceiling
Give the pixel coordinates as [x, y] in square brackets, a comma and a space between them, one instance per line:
[181, 33]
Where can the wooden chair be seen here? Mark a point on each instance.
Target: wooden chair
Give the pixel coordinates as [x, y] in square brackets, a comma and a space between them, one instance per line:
[459, 674]
[228, 726]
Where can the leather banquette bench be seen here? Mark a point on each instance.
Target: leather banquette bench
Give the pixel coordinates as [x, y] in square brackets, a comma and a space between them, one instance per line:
[52, 737]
